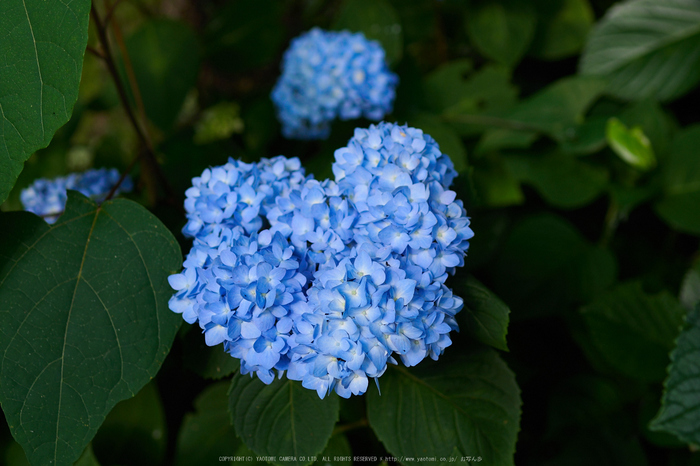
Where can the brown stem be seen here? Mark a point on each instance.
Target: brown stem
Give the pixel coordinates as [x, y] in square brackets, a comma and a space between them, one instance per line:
[95, 52]
[149, 156]
[110, 13]
[126, 172]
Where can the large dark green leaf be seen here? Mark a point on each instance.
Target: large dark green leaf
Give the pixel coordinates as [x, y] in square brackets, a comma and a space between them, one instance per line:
[378, 20]
[41, 60]
[485, 316]
[680, 206]
[165, 58]
[207, 433]
[646, 48]
[562, 179]
[84, 321]
[283, 418]
[502, 30]
[546, 265]
[680, 405]
[634, 331]
[471, 403]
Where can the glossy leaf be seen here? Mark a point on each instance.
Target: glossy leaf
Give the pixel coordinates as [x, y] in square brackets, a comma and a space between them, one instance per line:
[207, 433]
[471, 403]
[85, 321]
[378, 20]
[41, 61]
[646, 48]
[283, 418]
[485, 316]
[680, 206]
[630, 144]
[634, 331]
[165, 58]
[502, 30]
[680, 405]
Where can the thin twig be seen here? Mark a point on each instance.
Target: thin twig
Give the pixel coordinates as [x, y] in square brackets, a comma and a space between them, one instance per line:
[149, 153]
[612, 220]
[110, 13]
[126, 172]
[95, 52]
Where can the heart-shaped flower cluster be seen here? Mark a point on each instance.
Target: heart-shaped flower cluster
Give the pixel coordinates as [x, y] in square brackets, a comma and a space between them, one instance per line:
[328, 281]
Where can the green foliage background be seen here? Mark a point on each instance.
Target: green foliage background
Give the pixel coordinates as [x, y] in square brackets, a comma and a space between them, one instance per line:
[574, 126]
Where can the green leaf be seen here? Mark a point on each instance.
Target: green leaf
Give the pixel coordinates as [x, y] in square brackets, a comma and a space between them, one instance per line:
[87, 458]
[656, 123]
[471, 403]
[495, 184]
[378, 20]
[680, 207]
[41, 60]
[218, 122]
[207, 433]
[165, 58]
[84, 319]
[561, 179]
[485, 316]
[564, 33]
[586, 138]
[454, 89]
[134, 432]
[546, 265]
[556, 109]
[446, 137]
[283, 418]
[337, 452]
[497, 139]
[502, 30]
[634, 331]
[680, 404]
[631, 145]
[646, 48]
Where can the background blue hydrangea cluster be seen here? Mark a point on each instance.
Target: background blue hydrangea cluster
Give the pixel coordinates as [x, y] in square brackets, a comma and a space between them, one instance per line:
[328, 75]
[47, 198]
[329, 281]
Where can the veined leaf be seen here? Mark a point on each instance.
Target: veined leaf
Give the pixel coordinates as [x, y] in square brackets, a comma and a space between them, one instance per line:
[471, 403]
[84, 321]
[485, 316]
[283, 418]
[680, 405]
[41, 60]
[646, 48]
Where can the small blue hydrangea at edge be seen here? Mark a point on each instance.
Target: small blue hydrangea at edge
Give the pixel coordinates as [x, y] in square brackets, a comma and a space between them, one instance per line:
[328, 75]
[47, 198]
[328, 281]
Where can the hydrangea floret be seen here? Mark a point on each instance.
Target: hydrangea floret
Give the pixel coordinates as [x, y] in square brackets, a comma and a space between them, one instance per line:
[329, 281]
[47, 198]
[328, 75]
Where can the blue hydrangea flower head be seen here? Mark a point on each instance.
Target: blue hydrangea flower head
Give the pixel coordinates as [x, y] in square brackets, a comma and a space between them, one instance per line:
[238, 194]
[47, 198]
[328, 75]
[328, 281]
